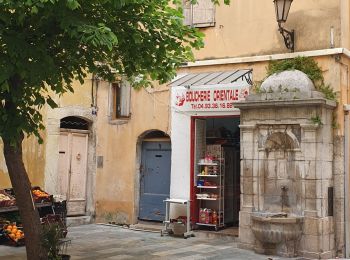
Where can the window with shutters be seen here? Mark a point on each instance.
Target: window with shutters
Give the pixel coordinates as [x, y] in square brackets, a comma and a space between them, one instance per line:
[201, 14]
[120, 101]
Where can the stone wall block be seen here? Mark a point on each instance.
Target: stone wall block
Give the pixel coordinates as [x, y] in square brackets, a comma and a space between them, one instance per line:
[247, 150]
[339, 236]
[309, 151]
[326, 169]
[271, 187]
[244, 219]
[338, 142]
[246, 200]
[255, 185]
[247, 185]
[309, 136]
[310, 204]
[311, 226]
[310, 189]
[324, 152]
[331, 242]
[319, 191]
[310, 243]
[339, 210]
[270, 169]
[326, 225]
[310, 169]
[310, 213]
[322, 207]
[247, 168]
[338, 170]
[339, 186]
[325, 244]
[257, 169]
[327, 255]
[246, 235]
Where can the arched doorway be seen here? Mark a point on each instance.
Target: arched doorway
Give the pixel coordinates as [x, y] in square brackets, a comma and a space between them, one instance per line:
[154, 175]
[72, 167]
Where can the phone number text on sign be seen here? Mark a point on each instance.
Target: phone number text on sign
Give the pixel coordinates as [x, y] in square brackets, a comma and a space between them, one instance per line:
[211, 106]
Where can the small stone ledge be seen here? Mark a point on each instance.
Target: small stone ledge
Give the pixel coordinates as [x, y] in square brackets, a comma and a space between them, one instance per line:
[301, 103]
[118, 121]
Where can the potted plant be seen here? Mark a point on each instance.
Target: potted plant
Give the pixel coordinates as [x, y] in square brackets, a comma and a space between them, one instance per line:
[53, 242]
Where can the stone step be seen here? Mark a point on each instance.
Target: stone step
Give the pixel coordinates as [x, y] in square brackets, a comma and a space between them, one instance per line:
[78, 220]
[227, 234]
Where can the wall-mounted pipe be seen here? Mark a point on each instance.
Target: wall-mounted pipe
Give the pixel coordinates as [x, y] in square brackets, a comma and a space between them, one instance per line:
[346, 181]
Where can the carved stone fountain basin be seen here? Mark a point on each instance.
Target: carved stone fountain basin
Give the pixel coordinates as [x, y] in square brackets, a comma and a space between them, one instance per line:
[275, 228]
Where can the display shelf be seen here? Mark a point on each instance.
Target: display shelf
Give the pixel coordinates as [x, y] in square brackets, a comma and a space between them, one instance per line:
[15, 208]
[208, 164]
[207, 198]
[204, 224]
[211, 178]
[207, 187]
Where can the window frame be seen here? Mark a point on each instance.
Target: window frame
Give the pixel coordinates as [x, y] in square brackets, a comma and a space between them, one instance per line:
[115, 93]
[191, 11]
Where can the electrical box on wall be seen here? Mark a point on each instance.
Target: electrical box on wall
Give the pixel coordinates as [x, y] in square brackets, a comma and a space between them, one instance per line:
[99, 161]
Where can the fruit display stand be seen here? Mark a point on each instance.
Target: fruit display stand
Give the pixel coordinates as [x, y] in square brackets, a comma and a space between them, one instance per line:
[13, 235]
[9, 215]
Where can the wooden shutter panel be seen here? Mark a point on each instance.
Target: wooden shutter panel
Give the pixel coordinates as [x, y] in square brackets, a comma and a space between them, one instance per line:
[125, 99]
[187, 12]
[201, 14]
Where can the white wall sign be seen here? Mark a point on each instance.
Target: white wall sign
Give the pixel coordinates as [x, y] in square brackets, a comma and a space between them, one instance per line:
[208, 98]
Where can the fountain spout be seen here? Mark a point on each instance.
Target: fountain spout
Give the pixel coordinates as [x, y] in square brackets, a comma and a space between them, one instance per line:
[284, 197]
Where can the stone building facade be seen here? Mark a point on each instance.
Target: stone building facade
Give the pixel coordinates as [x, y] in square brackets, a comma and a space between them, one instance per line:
[242, 36]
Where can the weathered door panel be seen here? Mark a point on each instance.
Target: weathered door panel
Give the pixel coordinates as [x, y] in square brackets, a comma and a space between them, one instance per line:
[155, 180]
[73, 171]
[63, 164]
[77, 183]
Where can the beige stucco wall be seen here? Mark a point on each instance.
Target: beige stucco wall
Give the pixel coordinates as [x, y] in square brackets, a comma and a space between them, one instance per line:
[34, 161]
[249, 28]
[34, 154]
[117, 182]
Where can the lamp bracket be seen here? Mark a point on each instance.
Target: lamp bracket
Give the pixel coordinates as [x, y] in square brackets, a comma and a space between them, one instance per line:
[288, 37]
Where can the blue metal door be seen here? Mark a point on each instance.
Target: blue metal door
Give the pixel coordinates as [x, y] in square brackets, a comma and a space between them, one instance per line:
[154, 180]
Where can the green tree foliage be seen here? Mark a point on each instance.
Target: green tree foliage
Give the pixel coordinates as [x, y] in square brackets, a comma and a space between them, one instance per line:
[47, 44]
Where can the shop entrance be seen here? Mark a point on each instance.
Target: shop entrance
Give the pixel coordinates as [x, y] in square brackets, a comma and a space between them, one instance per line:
[215, 177]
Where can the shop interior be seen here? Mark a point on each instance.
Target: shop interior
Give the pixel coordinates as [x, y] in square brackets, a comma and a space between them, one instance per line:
[217, 173]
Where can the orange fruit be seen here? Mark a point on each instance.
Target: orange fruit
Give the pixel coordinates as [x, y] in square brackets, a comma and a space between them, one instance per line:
[13, 236]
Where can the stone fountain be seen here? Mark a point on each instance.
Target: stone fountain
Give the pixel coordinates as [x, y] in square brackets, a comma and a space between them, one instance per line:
[286, 169]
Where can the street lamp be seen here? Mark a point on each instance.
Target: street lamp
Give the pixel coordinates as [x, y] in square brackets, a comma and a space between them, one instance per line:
[282, 9]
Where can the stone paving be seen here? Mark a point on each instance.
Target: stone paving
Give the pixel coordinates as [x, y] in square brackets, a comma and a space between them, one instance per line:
[90, 242]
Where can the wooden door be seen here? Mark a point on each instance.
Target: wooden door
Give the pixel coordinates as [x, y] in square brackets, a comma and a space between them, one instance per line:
[155, 180]
[73, 170]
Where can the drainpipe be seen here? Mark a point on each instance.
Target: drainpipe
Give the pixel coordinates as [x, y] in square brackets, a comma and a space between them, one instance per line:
[346, 180]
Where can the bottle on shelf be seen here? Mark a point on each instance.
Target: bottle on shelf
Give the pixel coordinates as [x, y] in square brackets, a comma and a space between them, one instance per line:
[202, 215]
[215, 217]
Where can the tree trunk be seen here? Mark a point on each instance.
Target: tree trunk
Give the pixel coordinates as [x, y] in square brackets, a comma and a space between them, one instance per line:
[22, 188]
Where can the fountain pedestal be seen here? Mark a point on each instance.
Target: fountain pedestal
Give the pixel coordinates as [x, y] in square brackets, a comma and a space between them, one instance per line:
[277, 234]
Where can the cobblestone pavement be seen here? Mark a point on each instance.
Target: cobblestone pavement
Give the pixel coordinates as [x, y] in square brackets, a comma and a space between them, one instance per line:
[90, 242]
